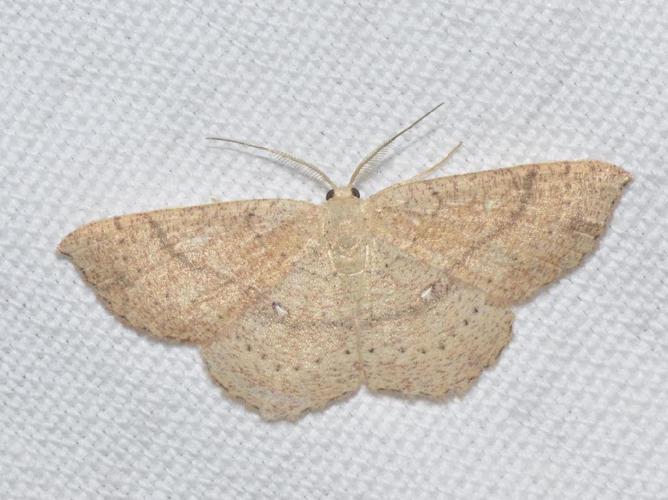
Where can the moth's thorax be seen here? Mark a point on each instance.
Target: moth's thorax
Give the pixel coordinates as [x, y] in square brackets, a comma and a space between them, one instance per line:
[344, 232]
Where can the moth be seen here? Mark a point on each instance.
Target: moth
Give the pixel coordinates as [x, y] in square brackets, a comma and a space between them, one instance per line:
[294, 305]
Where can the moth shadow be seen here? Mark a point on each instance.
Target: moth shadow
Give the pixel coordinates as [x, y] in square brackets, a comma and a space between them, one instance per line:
[431, 401]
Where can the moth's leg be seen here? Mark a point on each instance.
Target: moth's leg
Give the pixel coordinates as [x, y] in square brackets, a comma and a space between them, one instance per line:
[425, 334]
[434, 167]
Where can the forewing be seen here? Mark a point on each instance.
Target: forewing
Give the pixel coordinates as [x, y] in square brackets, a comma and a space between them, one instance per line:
[503, 232]
[187, 273]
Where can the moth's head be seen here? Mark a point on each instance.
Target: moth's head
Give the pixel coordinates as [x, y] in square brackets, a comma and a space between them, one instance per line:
[342, 192]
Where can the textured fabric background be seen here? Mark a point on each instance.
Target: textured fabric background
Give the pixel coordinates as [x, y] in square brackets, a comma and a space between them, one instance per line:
[104, 109]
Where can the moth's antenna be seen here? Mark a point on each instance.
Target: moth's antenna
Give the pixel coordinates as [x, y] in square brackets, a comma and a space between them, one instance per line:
[373, 163]
[435, 166]
[286, 159]
[383, 147]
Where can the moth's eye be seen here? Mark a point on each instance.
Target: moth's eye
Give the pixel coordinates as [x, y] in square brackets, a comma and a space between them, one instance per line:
[330, 194]
[355, 192]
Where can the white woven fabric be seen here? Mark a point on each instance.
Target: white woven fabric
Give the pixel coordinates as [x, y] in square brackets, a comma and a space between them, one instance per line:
[104, 110]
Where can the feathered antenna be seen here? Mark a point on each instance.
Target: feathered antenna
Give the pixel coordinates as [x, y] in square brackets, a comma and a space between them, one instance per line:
[373, 163]
[286, 159]
[382, 149]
